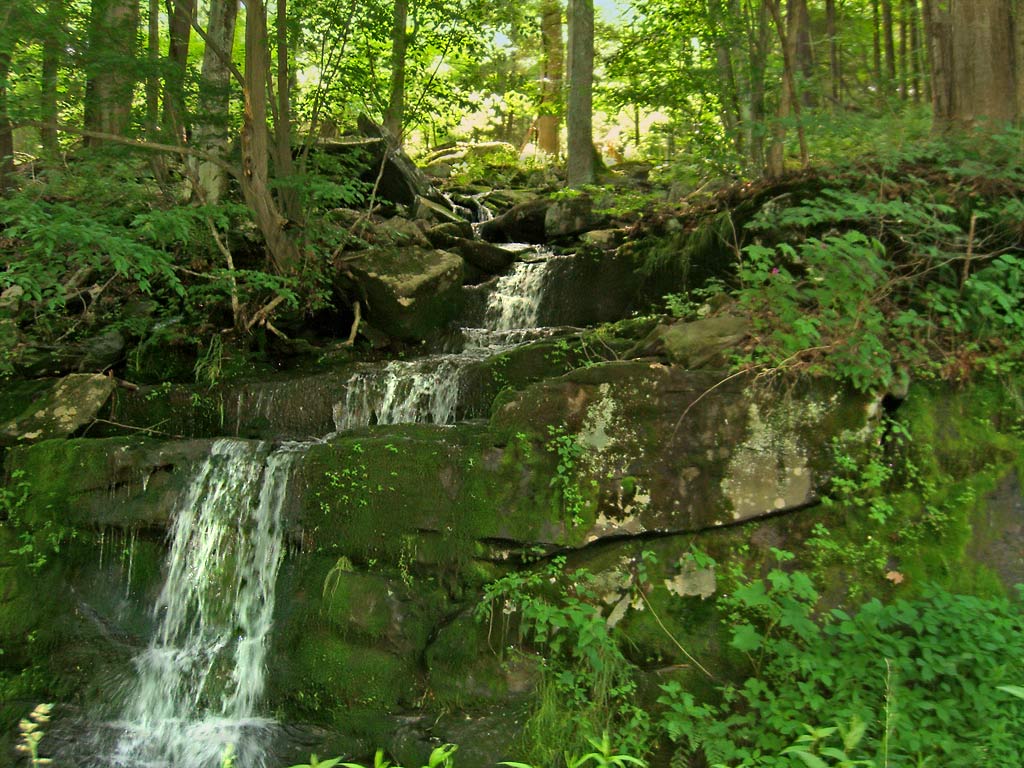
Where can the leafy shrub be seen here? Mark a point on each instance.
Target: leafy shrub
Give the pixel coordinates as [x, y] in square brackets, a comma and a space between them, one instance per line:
[911, 683]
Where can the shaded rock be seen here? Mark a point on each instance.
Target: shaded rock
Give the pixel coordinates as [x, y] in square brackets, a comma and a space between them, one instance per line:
[400, 232]
[487, 257]
[604, 239]
[428, 210]
[401, 181]
[101, 352]
[522, 224]
[411, 292]
[443, 235]
[590, 289]
[570, 216]
[697, 344]
[74, 401]
[120, 482]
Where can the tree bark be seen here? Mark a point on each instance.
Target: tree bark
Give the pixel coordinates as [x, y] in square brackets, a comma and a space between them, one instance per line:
[210, 134]
[50, 73]
[153, 58]
[890, 45]
[111, 70]
[549, 120]
[876, 39]
[728, 91]
[580, 106]
[288, 196]
[6, 132]
[800, 28]
[181, 13]
[394, 115]
[283, 254]
[834, 62]
[789, 101]
[974, 72]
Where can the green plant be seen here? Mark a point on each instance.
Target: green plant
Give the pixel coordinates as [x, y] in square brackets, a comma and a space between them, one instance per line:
[587, 685]
[603, 755]
[566, 481]
[30, 734]
[920, 677]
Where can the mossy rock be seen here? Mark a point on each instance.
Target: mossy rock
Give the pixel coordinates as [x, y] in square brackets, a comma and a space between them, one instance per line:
[470, 665]
[334, 675]
[120, 482]
[426, 495]
[672, 450]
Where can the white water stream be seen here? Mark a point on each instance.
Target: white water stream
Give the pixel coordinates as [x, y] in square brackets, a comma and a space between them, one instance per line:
[426, 390]
[200, 680]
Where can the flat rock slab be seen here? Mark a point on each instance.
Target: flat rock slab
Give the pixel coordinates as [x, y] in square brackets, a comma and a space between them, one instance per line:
[73, 402]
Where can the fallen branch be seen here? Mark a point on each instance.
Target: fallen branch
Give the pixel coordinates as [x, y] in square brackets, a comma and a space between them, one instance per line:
[355, 326]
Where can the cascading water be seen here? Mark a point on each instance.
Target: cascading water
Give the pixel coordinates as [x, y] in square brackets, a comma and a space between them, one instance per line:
[200, 680]
[427, 390]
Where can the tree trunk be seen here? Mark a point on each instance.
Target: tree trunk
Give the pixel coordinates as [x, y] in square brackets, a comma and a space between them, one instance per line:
[728, 92]
[181, 14]
[800, 28]
[394, 115]
[913, 16]
[789, 102]
[548, 121]
[834, 63]
[288, 195]
[580, 106]
[283, 254]
[6, 134]
[876, 38]
[974, 73]
[111, 70]
[890, 46]
[50, 72]
[904, 54]
[210, 134]
[153, 58]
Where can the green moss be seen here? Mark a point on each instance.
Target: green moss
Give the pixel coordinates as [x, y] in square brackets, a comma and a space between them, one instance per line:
[332, 675]
[368, 497]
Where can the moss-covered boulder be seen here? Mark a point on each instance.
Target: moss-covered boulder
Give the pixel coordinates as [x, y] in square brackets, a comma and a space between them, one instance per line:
[119, 482]
[703, 343]
[667, 449]
[73, 402]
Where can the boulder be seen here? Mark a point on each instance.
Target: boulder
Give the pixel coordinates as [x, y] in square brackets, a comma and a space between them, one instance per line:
[430, 211]
[486, 257]
[523, 223]
[442, 235]
[604, 239]
[73, 402]
[570, 216]
[701, 343]
[410, 293]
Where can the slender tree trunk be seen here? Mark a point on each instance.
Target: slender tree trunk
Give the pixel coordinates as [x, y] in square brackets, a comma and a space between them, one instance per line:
[210, 133]
[729, 93]
[903, 58]
[111, 71]
[6, 134]
[50, 73]
[789, 101]
[394, 115]
[876, 35]
[288, 196]
[834, 64]
[283, 254]
[799, 20]
[153, 58]
[580, 109]
[890, 46]
[549, 121]
[181, 14]
[752, 76]
[914, 15]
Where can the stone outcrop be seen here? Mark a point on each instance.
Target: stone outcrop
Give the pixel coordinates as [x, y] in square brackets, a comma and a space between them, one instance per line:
[73, 402]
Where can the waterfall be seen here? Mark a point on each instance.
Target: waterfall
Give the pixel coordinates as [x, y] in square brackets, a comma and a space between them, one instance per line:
[200, 680]
[427, 390]
[403, 392]
[515, 301]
